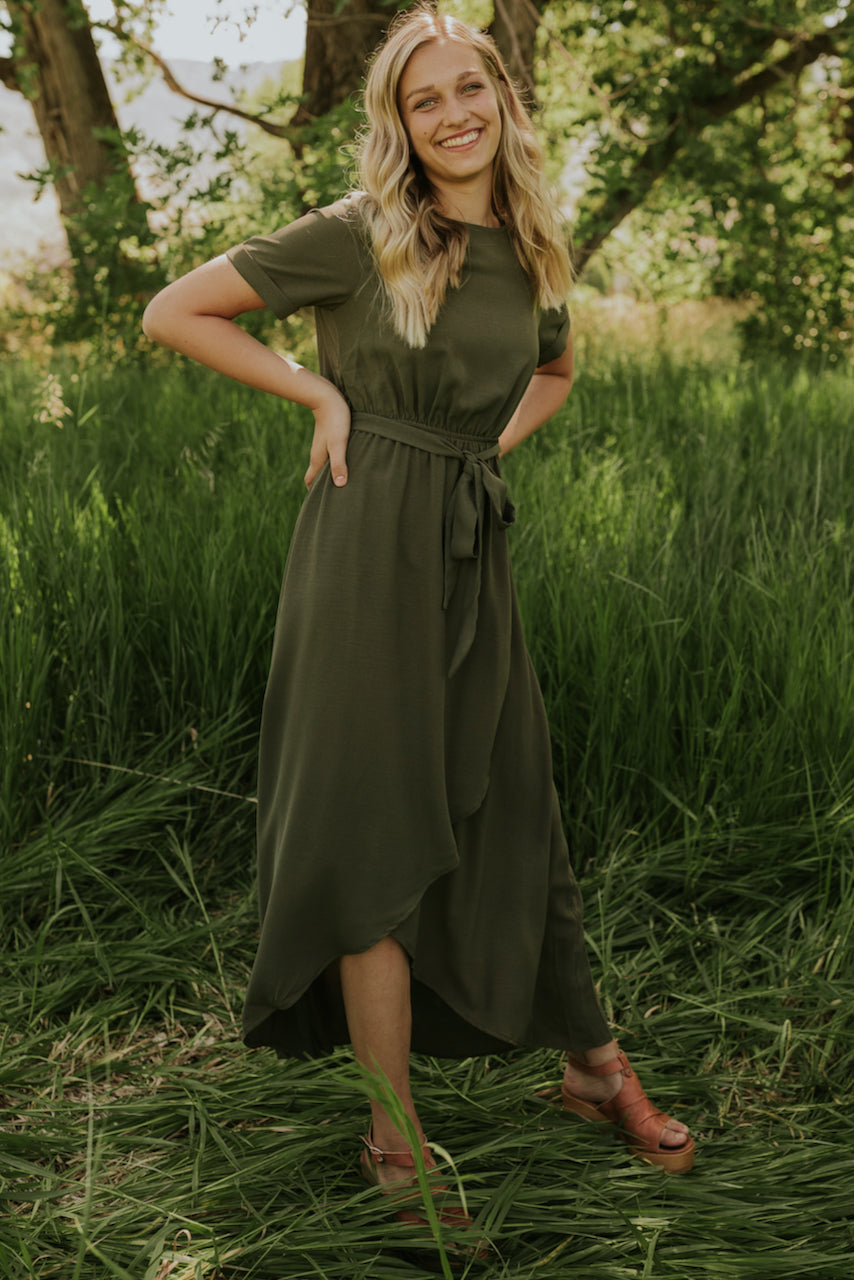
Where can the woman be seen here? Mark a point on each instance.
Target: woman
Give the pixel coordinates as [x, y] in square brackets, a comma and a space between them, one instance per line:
[415, 883]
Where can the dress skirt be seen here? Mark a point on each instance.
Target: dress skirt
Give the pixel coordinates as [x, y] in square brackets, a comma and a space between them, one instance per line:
[405, 780]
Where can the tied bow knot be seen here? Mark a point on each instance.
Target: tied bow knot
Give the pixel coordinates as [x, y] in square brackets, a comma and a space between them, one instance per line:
[477, 490]
[478, 493]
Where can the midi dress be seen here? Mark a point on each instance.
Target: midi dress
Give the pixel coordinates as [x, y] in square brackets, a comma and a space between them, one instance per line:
[405, 782]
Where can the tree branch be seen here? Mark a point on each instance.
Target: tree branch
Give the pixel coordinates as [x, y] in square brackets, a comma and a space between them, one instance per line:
[656, 160]
[801, 56]
[171, 81]
[346, 19]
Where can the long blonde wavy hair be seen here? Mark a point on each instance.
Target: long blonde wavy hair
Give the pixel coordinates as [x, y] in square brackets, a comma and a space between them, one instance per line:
[419, 251]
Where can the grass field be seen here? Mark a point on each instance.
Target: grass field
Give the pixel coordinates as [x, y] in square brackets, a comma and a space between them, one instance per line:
[685, 564]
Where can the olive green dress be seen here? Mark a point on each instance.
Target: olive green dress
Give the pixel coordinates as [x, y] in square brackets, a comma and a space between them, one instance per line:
[405, 779]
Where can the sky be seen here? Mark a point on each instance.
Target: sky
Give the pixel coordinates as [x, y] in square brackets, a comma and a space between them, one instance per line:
[188, 31]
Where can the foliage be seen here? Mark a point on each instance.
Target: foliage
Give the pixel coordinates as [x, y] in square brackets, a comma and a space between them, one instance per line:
[705, 148]
[100, 304]
[730, 173]
[773, 230]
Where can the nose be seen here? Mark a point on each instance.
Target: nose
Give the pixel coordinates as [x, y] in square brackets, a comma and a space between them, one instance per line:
[455, 113]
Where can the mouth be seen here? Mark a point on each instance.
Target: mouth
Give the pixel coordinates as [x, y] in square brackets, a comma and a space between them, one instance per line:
[460, 140]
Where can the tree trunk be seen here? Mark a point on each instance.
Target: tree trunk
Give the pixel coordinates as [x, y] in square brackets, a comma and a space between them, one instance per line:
[55, 63]
[338, 39]
[71, 100]
[514, 29]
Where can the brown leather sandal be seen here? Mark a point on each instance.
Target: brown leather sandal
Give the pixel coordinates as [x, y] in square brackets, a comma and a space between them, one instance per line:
[454, 1217]
[632, 1113]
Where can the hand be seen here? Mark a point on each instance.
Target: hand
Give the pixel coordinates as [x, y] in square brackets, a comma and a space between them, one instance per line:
[331, 433]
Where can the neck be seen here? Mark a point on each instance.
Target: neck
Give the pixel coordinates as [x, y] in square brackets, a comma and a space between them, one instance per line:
[478, 217]
[469, 206]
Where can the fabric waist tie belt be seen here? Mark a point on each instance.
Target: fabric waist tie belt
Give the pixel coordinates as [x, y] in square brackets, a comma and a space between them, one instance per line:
[477, 489]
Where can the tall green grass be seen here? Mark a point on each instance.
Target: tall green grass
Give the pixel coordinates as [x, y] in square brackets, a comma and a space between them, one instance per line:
[686, 579]
[684, 558]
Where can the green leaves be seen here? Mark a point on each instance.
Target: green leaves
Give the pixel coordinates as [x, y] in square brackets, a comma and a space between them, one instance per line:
[720, 129]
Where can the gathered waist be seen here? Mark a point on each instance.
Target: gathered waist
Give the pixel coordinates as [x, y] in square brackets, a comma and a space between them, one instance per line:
[445, 442]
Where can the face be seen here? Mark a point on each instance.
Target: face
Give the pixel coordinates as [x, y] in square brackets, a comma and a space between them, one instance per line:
[449, 109]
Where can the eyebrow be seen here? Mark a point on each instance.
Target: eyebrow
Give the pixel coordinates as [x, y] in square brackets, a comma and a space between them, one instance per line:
[430, 88]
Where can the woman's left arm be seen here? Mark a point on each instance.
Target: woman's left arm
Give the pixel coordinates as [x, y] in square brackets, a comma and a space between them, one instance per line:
[545, 394]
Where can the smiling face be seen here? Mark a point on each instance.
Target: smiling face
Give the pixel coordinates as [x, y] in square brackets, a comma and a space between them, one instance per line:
[449, 108]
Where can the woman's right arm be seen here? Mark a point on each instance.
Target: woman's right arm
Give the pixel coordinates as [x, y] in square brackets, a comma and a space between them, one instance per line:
[195, 315]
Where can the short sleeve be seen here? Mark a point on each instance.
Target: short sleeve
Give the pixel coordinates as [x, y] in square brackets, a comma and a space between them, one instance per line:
[313, 262]
[553, 333]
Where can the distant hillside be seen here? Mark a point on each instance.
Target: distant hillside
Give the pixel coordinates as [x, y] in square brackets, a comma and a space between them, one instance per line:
[156, 111]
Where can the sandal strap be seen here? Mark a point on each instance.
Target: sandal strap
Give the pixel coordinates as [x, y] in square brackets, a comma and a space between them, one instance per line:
[630, 1109]
[641, 1123]
[609, 1068]
[403, 1159]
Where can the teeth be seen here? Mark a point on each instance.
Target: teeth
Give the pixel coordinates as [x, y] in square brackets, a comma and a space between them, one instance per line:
[450, 143]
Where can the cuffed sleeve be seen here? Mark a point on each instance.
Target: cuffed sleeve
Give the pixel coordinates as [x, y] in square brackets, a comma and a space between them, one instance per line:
[312, 262]
[553, 333]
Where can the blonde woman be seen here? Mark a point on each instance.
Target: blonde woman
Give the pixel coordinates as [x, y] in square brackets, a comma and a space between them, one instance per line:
[415, 884]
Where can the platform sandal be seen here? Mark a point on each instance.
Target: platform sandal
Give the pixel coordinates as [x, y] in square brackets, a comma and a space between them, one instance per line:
[454, 1218]
[630, 1111]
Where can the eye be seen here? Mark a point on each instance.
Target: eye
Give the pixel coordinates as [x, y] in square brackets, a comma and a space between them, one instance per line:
[474, 87]
[425, 102]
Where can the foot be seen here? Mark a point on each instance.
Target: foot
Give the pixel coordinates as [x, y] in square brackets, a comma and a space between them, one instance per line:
[388, 1158]
[598, 1089]
[394, 1173]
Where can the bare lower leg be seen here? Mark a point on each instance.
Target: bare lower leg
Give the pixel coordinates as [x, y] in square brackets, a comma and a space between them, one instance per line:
[601, 1089]
[375, 987]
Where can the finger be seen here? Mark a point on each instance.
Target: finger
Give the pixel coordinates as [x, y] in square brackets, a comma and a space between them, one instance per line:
[338, 461]
[311, 474]
[316, 459]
